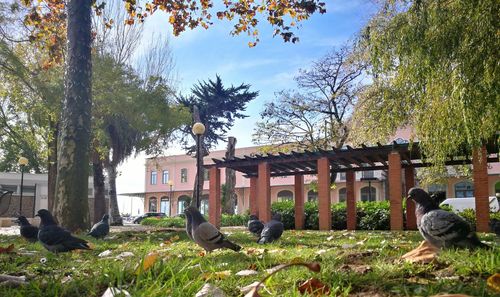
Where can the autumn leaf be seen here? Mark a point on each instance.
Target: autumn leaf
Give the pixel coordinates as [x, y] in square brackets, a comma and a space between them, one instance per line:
[216, 275]
[314, 287]
[7, 250]
[148, 262]
[494, 282]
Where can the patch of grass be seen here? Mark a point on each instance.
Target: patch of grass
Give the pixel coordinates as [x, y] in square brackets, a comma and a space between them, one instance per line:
[352, 263]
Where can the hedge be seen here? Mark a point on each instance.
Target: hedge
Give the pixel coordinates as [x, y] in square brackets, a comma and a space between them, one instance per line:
[179, 222]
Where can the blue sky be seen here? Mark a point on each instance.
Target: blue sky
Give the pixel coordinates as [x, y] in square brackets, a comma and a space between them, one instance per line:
[269, 67]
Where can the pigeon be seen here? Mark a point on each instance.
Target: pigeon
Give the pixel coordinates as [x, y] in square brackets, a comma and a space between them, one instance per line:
[101, 228]
[439, 227]
[255, 226]
[28, 231]
[205, 234]
[55, 238]
[272, 230]
[495, 226]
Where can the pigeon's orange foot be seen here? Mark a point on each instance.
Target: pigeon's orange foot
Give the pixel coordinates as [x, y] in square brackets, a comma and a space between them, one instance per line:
[425, 253]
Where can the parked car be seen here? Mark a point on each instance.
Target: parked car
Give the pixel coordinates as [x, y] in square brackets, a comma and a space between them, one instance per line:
[148, 215]
[459, 204]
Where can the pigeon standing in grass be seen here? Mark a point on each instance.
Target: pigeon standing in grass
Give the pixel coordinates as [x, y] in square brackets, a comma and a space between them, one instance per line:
[495, 226]
[255, 225]
[439, 227]
[272, 230]
[55, 238]
[101, 228]
[205, 234]
[28, 231]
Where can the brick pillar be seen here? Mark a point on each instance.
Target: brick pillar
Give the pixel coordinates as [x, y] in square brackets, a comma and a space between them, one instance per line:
[299, 202]
[264, 190]
[480, 174]
[253, 206]
[214, 197]
[325, 212]
[350, 200]
[411, 220]
[395, 191]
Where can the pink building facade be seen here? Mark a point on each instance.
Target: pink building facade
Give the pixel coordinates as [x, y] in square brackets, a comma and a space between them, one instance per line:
[169, 183]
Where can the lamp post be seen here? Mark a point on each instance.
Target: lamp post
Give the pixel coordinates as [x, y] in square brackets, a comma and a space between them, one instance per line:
[198, 130]
[369, 180]
[22, 163]
[170, 184]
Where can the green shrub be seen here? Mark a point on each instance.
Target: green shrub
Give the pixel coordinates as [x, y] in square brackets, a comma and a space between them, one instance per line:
[234, 220]
[166, 222]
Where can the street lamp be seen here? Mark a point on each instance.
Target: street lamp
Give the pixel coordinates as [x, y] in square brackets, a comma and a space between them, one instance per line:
[198, 130]
[22, 163]
[369, 180]
[170, 184]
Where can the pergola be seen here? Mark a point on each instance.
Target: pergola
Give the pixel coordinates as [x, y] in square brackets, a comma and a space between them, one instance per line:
[396, 158]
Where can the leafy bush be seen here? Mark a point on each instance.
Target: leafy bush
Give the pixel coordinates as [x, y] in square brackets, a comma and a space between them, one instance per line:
[370, 215]
[167, 222]
[234, 220]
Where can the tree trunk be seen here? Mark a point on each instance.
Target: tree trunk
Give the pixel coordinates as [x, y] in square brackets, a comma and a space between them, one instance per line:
[71, 200]
[230, 195]
[99, 187]
[52, 166]
[116, 219]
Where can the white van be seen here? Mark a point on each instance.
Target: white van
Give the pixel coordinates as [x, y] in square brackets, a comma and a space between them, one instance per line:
[459, 204]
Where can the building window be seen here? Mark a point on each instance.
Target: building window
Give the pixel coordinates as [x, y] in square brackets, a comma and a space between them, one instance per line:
[206, 174]
[342, 176]
[165, 205]
[184, 175]
[285, 195]
[343, 195]
[152, 204]
[154, 176]
[312, 196]
[12, 188]
[368, 194]
[204, 205]
[164, 177]
[464, 189]
[367, 174]
[182, 203]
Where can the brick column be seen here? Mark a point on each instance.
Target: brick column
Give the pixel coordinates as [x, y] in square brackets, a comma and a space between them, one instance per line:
[264, 190]
[411, 220]
[299, 202]
[253, 206]
[325, 212]
[480, 174]
[395, 191]
[214, 197]
[350, 200]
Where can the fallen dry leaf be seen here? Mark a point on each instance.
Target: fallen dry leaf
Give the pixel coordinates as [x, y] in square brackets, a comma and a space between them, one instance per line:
[425, 253]
[209, 290]
[124, 255]
[112, 292]
[251, 289]
[216, 275]
[7, 250]
[105, 253]
[148, 262]
[246, 272]
[314, 286]
[361, 269]
[329, 238]
[255, 251]
[12, 281]
[494, 282]
[202, 253]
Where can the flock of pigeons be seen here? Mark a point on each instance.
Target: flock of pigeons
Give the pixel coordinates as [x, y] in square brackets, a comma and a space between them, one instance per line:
[440, 228]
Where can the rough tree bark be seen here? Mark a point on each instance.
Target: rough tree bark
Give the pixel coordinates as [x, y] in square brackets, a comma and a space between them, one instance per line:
[99, 187]
[230, 202]
[52, 166]
[71, 200]
[116, 219]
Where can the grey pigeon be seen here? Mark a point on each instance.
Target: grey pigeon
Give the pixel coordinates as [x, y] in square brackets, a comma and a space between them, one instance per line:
[255, 225]
[272, 230]
[101, 228]
[28, 231]
[55, 238]
[205, 234]
[439, 227]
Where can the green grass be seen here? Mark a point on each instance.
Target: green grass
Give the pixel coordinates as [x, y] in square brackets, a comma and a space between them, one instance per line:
[180, 269]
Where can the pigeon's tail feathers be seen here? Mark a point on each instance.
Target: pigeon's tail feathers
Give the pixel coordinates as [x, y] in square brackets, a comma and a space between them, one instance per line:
[264, 240]
[233, 246]
[476, 243]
